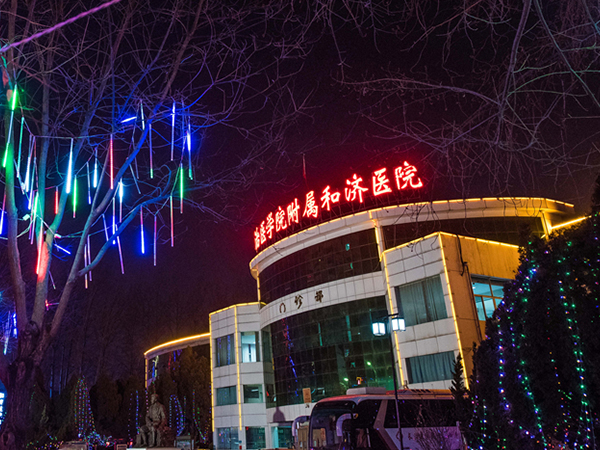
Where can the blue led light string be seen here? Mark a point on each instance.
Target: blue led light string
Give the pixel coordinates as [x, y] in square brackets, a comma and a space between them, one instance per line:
[171, 412]
[585, 420]
[506, 406]
[84, 419]
[482, 427]
[196, 414]
[565, 416]
[176, 418]
[522, 297]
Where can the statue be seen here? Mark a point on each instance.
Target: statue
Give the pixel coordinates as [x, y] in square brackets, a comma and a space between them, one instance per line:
[149, 435]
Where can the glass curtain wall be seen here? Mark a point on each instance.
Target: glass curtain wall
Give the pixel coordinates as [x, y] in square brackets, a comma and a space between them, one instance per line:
[342, 257]
[327, 350]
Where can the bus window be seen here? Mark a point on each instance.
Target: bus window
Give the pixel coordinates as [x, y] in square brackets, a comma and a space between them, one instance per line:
[323, 420]
[365, 435]
[409, 413]
[440, 413]
[421, 413]
[365, 413]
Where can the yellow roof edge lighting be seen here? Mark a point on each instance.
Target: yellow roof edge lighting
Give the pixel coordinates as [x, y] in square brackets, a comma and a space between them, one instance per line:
[443, 233]
[176, 341]
[570, 222]
[234, 306]
[369, 214]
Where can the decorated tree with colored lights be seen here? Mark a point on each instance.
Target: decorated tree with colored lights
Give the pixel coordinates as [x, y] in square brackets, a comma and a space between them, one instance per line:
[108, 114]
[536, 380]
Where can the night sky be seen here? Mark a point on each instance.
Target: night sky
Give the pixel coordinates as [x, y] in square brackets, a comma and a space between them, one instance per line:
[340, 133]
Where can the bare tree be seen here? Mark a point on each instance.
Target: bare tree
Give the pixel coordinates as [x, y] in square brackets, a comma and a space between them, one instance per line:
[502, 90]
[123, 97]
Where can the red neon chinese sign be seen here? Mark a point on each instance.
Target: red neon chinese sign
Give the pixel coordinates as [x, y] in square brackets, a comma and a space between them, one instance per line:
[380, 184]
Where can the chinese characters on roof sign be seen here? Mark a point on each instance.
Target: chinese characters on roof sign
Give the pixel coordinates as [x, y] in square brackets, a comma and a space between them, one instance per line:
[356, 191]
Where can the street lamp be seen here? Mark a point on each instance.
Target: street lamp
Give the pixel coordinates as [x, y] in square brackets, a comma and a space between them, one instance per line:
[395, 323]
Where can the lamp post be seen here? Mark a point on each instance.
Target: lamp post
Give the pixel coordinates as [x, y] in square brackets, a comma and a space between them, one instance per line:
[379, 329]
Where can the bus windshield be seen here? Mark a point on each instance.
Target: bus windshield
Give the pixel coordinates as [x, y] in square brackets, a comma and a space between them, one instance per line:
[323, 421]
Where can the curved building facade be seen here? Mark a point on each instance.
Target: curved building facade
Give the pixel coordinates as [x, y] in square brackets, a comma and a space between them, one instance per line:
[438, 266]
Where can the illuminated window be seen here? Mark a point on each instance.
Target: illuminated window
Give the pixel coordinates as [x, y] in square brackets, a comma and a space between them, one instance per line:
[227, 438]
[250, 347]
[488, 295]
[421, 301]
[224, 349]
[253, 393]
[428, 368]
[226, 396]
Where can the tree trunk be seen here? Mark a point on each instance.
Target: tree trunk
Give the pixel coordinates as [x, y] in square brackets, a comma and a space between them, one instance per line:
[15, 428]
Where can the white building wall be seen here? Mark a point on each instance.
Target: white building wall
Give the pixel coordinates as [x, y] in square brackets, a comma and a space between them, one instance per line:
[234, 321]
[409, 263]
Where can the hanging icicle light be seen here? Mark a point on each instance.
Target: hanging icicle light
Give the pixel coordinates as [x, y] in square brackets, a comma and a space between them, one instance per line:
[154, 241]
[150, 145]
[181, 188]
[172, 130]
[13, 105]
[20, 144]
[89, 184]
[89, 254]
[95, 167]
[74, 197]
[120, 255]
[114, 219]
[85, 263]
[27, 174]
[70, 169]
[171, 209]
[30, 202]
[142, 230]
[105, 227]
[121, 189]
[110, 150]
[2, 214]
[39, 258]
[189, 149]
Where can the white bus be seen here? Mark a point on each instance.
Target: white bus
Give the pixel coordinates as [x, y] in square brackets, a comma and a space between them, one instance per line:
[365, 418]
